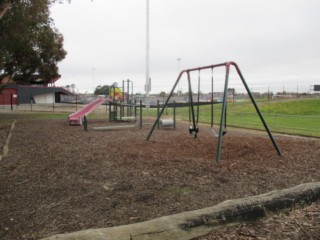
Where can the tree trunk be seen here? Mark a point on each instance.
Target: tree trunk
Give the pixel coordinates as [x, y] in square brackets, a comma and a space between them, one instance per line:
[189, 225]
[4, 8]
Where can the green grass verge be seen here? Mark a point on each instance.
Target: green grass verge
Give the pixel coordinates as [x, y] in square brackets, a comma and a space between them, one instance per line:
[301, 117]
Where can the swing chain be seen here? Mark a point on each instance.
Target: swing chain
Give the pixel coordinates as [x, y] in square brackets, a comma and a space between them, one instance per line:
[194, 129]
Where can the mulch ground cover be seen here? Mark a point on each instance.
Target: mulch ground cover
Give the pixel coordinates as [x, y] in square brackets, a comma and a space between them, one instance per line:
[59, 178]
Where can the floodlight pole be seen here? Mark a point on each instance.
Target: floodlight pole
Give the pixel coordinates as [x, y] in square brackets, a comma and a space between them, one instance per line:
[93, 69]
[147, 85]
[179, 66]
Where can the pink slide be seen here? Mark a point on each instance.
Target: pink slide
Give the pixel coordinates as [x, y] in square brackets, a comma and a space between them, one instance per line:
[76, 118]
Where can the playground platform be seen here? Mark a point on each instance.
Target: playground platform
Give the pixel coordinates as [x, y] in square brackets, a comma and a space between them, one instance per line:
[75, 119]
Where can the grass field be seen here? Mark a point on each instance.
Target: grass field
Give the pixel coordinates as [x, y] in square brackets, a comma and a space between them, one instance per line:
[300, 117]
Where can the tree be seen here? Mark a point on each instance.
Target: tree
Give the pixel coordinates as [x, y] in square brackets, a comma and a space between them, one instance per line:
[4, 7]
[163, 95]
[6, 4]
[101, 90]
[30, 44]
[73, 87]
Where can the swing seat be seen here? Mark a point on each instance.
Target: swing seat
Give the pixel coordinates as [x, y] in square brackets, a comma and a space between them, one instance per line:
[215, 134]
[193, 130]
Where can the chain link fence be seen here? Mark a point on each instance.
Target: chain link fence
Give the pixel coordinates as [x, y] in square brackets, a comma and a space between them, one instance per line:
[68, 104]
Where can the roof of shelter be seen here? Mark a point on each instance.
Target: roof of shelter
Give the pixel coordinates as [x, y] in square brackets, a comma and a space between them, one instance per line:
[34, 79]
[34, 90]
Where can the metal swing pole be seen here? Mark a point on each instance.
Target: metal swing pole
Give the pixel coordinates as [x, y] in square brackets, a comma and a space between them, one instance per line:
[165, 105]
[257, 109]
[223, 113]
[198, 107]
[211, 97]
[194, 128]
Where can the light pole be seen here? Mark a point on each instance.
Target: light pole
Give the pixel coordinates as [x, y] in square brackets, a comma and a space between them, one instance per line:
[179, 61]
[93, 79]
[179, 87]
[147, 85]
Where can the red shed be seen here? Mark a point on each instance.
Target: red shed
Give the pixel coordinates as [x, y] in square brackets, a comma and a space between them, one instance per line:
[8, 96]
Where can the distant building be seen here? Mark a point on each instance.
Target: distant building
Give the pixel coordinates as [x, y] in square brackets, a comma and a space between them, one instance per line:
[281, 96]
[32, 91]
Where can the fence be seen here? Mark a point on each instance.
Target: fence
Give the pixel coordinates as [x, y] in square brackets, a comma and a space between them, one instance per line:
[44, 103]
[50, 107]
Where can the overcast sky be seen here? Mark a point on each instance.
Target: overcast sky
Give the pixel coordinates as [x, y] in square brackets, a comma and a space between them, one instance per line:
[276, 43]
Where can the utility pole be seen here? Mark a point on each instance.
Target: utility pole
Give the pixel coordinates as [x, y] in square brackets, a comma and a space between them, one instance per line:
[179, 86]
[93, 79]
[148, 84]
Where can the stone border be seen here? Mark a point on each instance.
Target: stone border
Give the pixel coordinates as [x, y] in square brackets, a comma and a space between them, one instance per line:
[188, 225]
[5, 149]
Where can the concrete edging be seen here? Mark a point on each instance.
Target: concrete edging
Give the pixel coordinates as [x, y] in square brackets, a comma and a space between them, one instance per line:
[188, 225]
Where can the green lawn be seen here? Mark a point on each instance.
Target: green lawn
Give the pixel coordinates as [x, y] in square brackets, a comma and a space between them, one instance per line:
[290, 107]
[300, 117]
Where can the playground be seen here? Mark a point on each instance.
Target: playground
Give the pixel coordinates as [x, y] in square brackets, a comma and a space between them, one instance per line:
[58, 178]
[63, 176]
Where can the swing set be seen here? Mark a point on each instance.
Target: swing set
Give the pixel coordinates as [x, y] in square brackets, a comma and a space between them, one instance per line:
[194, 116]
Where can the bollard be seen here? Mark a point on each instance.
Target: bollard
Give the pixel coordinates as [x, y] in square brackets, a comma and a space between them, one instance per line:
[85, 123]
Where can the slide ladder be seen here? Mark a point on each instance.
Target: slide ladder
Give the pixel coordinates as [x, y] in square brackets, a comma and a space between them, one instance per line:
[77, 117]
